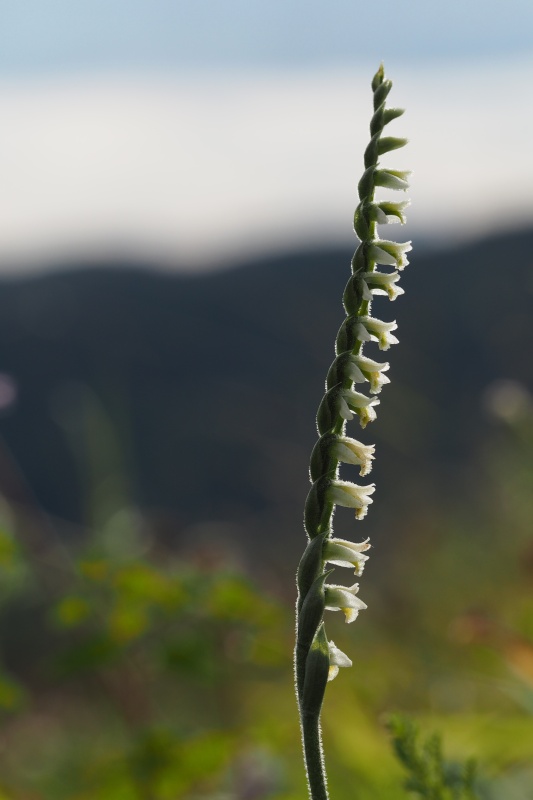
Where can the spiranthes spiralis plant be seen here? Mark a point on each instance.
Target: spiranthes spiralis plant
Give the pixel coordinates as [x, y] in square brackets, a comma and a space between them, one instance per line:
[318, 660]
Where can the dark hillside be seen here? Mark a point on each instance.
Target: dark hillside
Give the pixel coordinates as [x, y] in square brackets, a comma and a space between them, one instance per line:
[194, 397]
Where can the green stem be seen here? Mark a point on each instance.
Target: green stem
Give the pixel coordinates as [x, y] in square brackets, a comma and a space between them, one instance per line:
[299, 659]
[313, 756]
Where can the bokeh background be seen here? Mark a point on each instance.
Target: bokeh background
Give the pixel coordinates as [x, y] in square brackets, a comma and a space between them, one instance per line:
[177, 187]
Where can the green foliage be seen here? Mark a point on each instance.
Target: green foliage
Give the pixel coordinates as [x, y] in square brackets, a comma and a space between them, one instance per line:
[140, 654]
[196, 701]
[431, 777]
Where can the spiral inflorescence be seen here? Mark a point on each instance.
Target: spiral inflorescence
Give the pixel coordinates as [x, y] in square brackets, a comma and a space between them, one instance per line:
[316, 659]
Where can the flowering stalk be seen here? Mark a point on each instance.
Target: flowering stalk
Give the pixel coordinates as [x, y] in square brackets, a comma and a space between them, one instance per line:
[318, 660]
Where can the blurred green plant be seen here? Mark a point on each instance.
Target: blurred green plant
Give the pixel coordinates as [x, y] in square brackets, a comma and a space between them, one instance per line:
[134, 672]
[431, 777]
[129, 637]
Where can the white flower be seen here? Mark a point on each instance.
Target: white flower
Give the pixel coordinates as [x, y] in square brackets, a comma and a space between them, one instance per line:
[382, 283]
[336, 659]
[350, 401]
[387, 211]
[394, 210]
[392, 253]
[379, 330]
[343, 553]
[344, 598]
[373, 371]
[391, 178]
[361, 369]
[350, 451]
[350, 495]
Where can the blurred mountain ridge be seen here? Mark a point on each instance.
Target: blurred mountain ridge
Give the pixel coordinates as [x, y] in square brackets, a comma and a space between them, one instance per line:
[196, 395]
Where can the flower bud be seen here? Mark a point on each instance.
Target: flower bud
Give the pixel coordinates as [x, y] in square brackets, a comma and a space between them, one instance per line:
[392, 113]
[388, 143]
[380, 95]
[391, 179]
[378, 78]
[336, 659]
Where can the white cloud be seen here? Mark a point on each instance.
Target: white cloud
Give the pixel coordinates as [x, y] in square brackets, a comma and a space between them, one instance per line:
[207, 167]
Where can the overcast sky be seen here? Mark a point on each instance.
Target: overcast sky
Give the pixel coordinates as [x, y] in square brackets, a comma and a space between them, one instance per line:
[206, 130]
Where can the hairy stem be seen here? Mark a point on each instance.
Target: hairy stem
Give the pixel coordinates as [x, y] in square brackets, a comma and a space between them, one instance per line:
[314, 756]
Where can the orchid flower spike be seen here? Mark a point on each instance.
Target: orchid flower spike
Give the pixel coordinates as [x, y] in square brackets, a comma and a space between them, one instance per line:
[318, 660]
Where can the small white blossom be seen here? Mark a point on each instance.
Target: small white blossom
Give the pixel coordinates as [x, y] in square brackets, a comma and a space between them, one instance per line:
[392, 179]
[344, 598]
[373, 372]
[394, 210]
[350, 451]
[378, 329]
[350, 495]
[343, 553]
[382, 283]
[336, 659]
[392, 253]
[350, 401]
